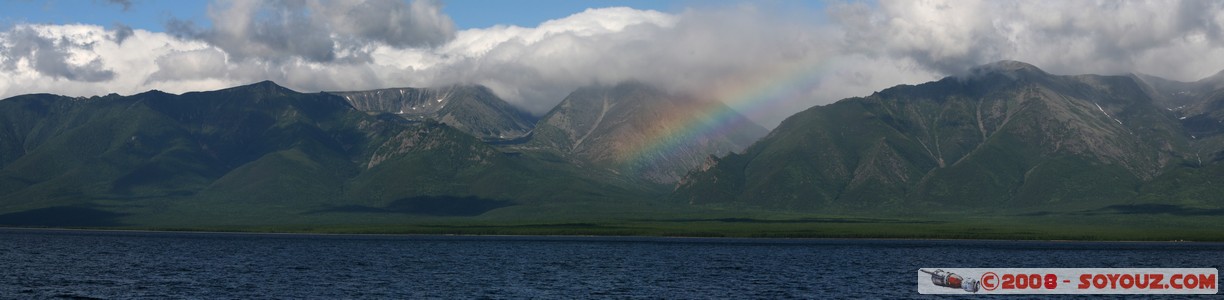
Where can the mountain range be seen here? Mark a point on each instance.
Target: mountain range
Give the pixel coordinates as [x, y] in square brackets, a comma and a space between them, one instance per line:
[263, 154]
[1003, 138]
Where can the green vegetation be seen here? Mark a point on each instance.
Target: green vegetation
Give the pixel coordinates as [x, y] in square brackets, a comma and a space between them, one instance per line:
[1084, 226]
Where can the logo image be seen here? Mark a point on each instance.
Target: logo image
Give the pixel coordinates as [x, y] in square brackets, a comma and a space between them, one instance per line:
[951, 280]
[1068, 281]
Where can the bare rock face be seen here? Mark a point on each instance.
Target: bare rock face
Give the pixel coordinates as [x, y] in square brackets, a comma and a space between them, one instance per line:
[472, 109]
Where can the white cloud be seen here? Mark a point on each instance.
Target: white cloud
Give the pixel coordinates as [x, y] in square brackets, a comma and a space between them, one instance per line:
[853, 48]
[87, 48]
[1165, 38]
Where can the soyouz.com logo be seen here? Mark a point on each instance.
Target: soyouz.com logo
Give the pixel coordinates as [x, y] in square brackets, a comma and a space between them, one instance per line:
[1068, 281]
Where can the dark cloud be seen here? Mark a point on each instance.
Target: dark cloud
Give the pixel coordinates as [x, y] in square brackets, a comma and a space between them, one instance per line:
[49, 56]
[121, 32]
[420, 23]
[318, 30]
[127, 4]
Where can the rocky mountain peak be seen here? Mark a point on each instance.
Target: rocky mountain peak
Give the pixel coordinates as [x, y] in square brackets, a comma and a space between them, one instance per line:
[267, 87]
[471, 108]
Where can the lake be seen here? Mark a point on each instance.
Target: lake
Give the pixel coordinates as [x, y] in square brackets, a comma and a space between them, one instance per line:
[41, 263]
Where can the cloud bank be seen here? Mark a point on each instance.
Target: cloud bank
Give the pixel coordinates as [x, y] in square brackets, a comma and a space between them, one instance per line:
[846, 49]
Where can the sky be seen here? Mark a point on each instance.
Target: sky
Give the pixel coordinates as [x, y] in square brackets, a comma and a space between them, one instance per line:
[769, 59]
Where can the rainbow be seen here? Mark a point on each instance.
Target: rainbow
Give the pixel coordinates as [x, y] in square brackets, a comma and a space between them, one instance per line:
[735, 98]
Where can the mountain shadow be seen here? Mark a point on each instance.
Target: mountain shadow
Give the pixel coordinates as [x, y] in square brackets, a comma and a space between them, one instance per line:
[1153, 209]
[62, 216]
[441, 206]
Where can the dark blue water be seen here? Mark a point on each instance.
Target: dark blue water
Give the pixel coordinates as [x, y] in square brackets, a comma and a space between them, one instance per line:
[94, 264]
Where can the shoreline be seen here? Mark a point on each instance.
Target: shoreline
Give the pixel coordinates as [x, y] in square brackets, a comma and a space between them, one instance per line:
[627, 238]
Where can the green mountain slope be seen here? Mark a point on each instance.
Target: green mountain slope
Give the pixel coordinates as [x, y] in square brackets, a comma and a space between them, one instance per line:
[1006, 137]
[262, 154]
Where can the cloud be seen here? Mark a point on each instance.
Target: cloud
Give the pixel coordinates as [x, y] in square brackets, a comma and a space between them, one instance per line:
[127, 4]
[805, 57]
[122, 32]
[318, 30]
[84, 60]
[536, 67]
[1066, 37]
[699, 51]
[190, 65]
